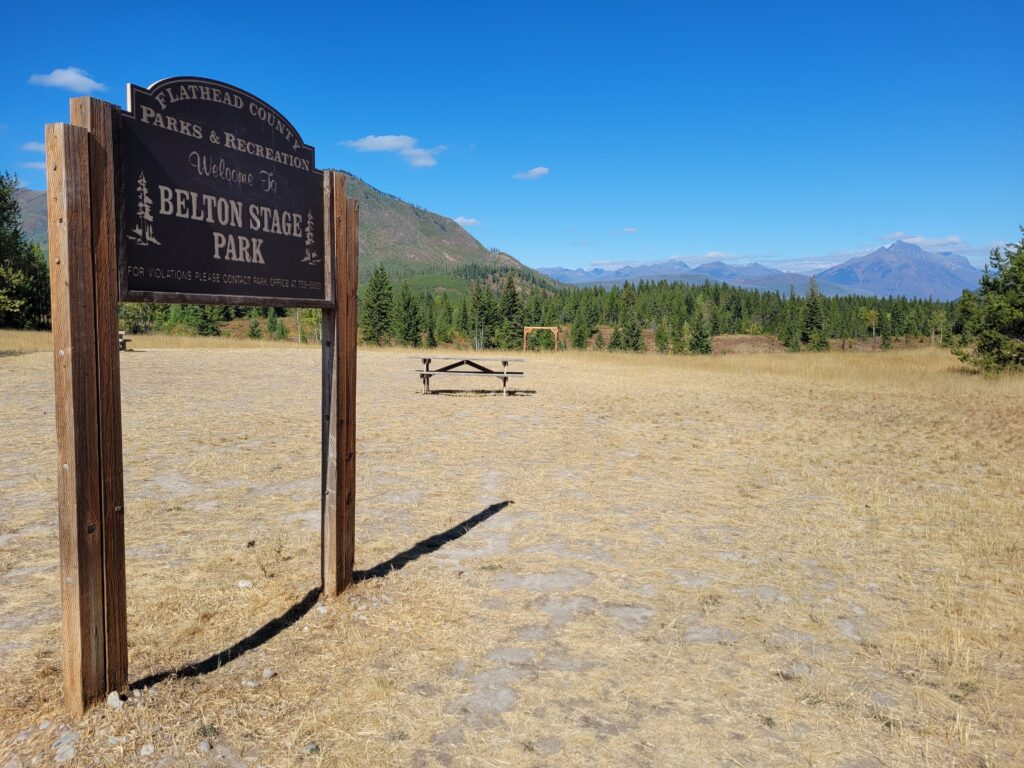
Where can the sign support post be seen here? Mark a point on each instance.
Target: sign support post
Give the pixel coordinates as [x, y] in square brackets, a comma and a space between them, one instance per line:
[339, 389]
[83, 287]
[100, 118]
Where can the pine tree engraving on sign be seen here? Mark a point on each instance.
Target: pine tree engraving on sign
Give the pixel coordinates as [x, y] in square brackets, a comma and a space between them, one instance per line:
[311, 255]
[142, 232]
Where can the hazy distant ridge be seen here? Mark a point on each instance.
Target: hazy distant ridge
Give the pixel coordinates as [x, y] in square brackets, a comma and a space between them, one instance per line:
[675, 271]
[900, 269]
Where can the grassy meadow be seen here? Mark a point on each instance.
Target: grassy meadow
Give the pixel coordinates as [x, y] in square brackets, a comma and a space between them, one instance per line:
[733, 560]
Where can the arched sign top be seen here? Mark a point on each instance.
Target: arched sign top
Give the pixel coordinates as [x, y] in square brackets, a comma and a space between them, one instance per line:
[220, 200]
[174, 95]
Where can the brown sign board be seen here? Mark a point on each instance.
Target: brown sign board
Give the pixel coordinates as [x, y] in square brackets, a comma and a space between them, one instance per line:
[219, 202]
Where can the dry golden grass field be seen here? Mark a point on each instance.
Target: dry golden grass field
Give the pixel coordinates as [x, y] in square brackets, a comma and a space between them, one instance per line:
[740, 560]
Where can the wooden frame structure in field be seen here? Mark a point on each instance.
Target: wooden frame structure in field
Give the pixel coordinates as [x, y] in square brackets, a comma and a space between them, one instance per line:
[531, 328]
[308, 256]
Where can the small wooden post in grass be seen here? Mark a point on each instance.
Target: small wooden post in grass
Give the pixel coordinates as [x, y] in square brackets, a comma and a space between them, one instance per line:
[90, 497]
[339, 389]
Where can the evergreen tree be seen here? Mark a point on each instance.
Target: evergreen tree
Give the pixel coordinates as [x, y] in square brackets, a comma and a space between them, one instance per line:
[507, 335]
[662, 339]
[208, 321]
[616, 340]
[377, 307]
[509, 307]
[581, 329]
[700, 341]
[811, 326]
[886, 327]
[254, 332]
[682, 336]
[482, 316]
[405, 320]
[281, 332]
[509, 331]
[533, 309]
[443, 320]
[632, 333]
[428, 322]
[599, 340]
[965, 322]
[791, 338]
[997, 318]
[629, 329]
[24, 273]
[819, 341]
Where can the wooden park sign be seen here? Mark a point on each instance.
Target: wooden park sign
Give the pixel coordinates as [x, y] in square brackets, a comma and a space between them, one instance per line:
[221, 201]
[201, 193]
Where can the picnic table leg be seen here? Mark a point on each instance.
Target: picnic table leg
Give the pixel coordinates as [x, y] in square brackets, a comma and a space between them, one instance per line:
[504, 385]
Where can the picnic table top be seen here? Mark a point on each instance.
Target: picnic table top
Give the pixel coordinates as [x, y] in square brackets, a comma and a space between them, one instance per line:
[470, 357]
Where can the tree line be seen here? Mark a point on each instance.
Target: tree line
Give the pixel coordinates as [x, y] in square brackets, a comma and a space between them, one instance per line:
[671, 317]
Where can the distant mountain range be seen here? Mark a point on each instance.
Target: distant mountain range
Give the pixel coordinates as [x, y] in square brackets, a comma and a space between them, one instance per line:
[675, 271]
[901, 269]
[413, 243]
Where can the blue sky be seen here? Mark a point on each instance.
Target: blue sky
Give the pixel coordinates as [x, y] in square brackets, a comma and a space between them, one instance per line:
[575, 134]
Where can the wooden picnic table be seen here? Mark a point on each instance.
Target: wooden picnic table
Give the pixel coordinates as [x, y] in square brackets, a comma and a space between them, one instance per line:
[467, 366]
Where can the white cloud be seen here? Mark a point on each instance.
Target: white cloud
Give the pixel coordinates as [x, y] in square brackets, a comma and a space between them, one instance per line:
[406, 146]
[72, 78]
[464, 221]
[533, 173]
[629, 230]
[36, 165]
[34, 146]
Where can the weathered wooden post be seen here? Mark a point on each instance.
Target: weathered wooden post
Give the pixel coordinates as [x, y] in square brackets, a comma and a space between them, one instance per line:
[90, 497]
[339, 391]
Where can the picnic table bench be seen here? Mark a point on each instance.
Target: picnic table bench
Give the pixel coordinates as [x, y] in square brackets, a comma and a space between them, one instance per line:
[122, 341]
[466, 366]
